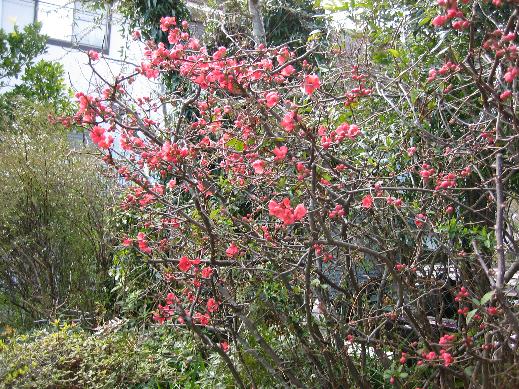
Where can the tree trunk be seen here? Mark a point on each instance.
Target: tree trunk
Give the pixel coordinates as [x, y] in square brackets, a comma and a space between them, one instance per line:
[258, 30]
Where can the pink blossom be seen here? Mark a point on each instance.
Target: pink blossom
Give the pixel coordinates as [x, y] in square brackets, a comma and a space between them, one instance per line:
[93, 55]
[212, 305]
[272, 98]
[439, 20]
[419, 220]
[136, 35]
[280, 153]
[284, 211]
[505, 95]
[353, 131]
[224, 346]
[430, 356]
[202, 319]
[184, 264]
[511, 74]
[207, 272]
[299, 212]
[167, 22]
[289, 121]
[97, 134]
[143, 243]
[259, 166]
[492, 311]
[232, 250]
[400, 267]
[447, 339]
[288, 70]
[508, 37]
[367, 201]
[447, 359]
[311, 83]
[220, 53]
[432, 75]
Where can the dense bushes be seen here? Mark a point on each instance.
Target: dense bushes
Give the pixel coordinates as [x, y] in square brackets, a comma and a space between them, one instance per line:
[68, 357]
[54, 246]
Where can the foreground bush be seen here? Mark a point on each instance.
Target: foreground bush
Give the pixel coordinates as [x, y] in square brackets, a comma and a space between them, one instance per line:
[68, 357]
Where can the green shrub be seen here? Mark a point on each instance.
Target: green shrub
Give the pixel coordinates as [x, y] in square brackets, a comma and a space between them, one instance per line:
[68, 357]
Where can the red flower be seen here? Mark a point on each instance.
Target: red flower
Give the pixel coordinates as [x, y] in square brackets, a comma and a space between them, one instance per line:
[143, 243]
[272, 99]
[419, 220]
[311, 83]
[224, 346]
[285, 212]
[202, 319]
[93, 55]
[439, 20]
[158, 318]
[212, 305]
[367, 201]
[505, 95]
[492, 311]
[447, 339]
[127, 242]
[207, 272]
[184, 264]
[447, 359]
[99, 137]
[259, 166]
[511, 74]
[430, 356]
[288, 71]
[299, 212]
[289, 121]
[97, 134]
[400, 267]
[167, 22]
[232, 250]
[280, 153]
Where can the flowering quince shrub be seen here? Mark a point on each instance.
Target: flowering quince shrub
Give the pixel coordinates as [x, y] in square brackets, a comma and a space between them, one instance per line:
[285, 208]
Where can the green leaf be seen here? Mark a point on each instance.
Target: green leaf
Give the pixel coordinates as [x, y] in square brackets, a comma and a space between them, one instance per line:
[424, 21]
[394, 53]
[470, 315]
[314, 35]
[236, 144]
[486, 298]
[334, 5]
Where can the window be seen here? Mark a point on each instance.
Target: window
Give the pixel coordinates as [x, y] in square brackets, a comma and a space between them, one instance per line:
[19, 12]
[67, 23]
[90, 27]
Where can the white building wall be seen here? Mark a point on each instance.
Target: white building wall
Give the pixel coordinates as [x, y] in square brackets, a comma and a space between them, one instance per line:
[119, 55]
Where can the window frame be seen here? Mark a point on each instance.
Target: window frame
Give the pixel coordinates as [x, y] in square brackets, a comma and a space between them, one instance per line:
[105, 49]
